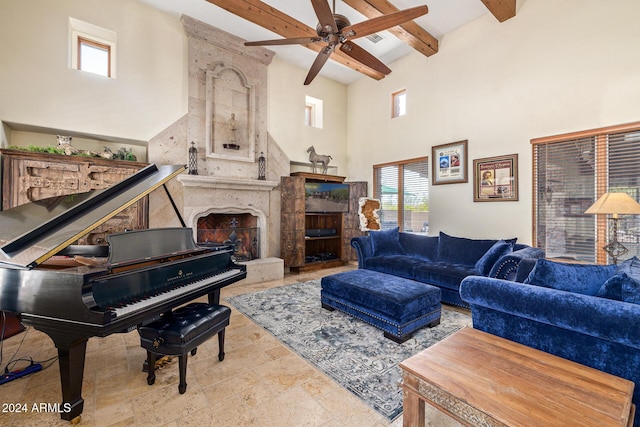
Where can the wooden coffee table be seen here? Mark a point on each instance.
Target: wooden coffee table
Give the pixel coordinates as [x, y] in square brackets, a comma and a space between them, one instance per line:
[481, 379]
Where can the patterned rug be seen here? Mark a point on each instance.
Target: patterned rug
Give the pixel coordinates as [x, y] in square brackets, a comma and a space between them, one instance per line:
[353, 353]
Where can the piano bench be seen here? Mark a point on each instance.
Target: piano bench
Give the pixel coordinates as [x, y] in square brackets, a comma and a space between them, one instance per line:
[181, 331]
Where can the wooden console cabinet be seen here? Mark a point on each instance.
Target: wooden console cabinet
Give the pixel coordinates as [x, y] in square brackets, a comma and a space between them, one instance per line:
[300, 249]
[30, 177]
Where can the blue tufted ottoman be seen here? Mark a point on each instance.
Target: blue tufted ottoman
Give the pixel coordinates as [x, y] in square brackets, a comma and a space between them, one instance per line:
[182, 331]
[396, 305]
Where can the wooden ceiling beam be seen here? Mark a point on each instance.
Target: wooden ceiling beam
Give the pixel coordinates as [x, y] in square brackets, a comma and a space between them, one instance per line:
[409, 32]
[501, 9]
[282, 24]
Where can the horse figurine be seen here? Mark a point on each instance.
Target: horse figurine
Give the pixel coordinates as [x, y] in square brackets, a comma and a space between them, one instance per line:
[318, 158]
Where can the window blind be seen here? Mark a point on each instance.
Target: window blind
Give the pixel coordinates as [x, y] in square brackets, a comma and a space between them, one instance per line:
[403, 189]
[570, 173]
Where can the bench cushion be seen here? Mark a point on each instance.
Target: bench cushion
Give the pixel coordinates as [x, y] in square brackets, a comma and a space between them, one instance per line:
[185, 328]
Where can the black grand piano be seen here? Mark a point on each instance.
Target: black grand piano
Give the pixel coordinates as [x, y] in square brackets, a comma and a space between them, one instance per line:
[72, 293]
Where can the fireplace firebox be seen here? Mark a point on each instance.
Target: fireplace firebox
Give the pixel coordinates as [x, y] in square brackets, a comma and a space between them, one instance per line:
[238, 231]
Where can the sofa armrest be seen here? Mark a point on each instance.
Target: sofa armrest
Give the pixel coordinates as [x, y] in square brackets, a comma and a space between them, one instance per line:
[605, 319]
[516, 265]
[362, 245]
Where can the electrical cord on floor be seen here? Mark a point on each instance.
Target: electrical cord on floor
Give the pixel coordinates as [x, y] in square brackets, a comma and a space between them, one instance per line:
[6, 368]
[45, 363]
[12, 361]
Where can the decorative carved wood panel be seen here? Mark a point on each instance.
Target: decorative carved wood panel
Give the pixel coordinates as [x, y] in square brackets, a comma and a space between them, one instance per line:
[292, 223]
[29, 177]
[351, 220]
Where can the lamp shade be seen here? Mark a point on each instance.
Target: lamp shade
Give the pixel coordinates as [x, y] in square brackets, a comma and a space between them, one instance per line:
[616, 204]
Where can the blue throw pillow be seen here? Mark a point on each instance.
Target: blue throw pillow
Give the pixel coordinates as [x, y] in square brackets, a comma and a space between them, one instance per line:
[386, 242]
[460, 250]
[495, 252]
[631, 267]
[584, 279]
[621, 287]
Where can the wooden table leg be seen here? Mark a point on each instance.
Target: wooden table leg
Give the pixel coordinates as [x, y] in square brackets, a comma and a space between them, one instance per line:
[413, 406]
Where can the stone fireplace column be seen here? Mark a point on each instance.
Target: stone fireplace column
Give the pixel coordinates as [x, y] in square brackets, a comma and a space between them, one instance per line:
[227, 122]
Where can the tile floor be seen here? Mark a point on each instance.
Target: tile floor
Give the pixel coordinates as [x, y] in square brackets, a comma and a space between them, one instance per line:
[260, 383]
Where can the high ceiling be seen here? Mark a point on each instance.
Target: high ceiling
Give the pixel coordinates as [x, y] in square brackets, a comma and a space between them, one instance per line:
[444, 16]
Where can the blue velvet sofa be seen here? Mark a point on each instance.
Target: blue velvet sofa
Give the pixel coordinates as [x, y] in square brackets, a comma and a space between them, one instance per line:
[586, 313]
[443, 260]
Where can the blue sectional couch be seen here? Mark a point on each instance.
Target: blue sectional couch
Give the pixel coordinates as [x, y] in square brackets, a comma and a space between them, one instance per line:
[443, 260]
[586, 313]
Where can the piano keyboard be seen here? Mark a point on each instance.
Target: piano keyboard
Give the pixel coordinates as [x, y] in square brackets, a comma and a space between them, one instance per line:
[173, 293]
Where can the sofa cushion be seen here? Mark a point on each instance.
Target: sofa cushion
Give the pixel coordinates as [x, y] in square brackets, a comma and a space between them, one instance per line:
[386, 242]
[419, 245]
[495, 252]
[460, 250]
[442, 274]
[586, 279]
[398, 265]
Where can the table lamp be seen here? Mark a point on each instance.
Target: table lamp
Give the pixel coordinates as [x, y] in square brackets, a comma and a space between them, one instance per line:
[614, 204]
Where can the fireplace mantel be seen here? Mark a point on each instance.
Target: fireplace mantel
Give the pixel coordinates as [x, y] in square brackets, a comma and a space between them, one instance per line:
[225, 183]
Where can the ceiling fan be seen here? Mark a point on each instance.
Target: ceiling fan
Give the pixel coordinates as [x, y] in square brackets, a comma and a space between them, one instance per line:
[335, 29]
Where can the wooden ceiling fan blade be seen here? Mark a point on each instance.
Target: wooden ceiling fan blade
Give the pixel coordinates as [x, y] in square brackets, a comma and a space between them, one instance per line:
[324, 14]
[317, 65]
[364, 57]
[383, 22]
[297, 40]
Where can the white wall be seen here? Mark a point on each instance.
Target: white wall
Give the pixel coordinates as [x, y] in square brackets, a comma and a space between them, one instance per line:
[286, 115]
[558, 66]
[38, 88]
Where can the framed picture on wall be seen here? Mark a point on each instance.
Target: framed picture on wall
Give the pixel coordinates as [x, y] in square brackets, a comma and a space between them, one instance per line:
[495, 179]
[449, 163]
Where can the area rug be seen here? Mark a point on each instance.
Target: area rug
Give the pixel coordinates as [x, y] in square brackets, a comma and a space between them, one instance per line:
[353, 353]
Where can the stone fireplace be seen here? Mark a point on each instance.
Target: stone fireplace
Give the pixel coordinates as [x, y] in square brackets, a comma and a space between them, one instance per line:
[208, 197]
[226, 121]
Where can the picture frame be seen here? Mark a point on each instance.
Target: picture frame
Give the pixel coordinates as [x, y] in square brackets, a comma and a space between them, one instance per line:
[495, 179]
[449, 163]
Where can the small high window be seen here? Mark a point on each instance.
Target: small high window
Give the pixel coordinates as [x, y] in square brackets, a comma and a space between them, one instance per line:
[399, 103]
[94, 57]
[313, 112]
[92, 48]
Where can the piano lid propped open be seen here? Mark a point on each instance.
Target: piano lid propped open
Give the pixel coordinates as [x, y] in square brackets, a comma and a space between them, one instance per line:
[32, 233]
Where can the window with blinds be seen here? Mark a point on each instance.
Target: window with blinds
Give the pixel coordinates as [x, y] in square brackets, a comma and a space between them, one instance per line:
[570, 172]
[403, 190]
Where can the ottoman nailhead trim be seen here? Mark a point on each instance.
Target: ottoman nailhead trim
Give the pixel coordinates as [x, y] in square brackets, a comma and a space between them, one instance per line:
[394, 324]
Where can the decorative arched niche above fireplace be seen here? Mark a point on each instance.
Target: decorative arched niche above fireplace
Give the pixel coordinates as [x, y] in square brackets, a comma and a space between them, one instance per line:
[230, 114]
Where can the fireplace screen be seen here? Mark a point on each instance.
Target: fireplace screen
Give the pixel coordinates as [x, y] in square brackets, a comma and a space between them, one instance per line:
[239, 232]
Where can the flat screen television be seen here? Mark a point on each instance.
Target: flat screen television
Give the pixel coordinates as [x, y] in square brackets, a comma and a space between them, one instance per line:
[325, 197]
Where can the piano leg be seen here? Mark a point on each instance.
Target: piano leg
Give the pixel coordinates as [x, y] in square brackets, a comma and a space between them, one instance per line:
[71, 356]
[214, 297]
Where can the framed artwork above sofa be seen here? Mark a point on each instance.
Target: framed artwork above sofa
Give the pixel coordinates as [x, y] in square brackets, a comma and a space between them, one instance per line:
[495, 179]
[450, 163]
